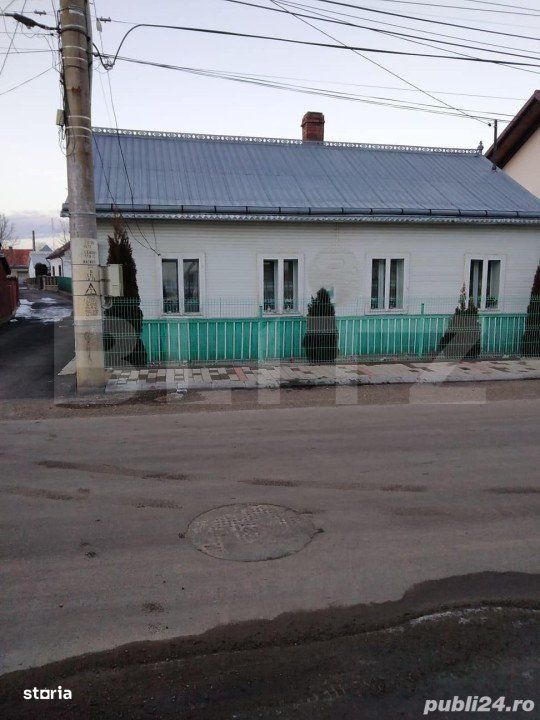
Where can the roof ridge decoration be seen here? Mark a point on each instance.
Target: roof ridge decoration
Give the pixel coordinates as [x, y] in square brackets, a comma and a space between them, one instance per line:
[281, 141]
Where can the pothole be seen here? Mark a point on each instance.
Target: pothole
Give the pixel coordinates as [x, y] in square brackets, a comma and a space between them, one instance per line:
[248, 533]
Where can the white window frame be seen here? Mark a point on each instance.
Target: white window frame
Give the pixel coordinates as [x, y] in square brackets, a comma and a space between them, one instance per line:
[280, 258]
[388, 257]
[467, 278]
[180, 257]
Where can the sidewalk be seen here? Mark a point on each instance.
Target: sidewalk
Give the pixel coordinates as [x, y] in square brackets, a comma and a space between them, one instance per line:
[301, 375]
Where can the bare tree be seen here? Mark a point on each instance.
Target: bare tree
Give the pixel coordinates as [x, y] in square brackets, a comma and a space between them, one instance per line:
[6, 230]
[59, 231]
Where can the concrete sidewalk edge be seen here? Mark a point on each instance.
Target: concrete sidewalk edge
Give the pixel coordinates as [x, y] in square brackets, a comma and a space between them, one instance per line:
[184, 379]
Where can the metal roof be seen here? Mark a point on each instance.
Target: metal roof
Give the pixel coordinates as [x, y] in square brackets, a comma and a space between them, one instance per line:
[188, 175]
[59, 252]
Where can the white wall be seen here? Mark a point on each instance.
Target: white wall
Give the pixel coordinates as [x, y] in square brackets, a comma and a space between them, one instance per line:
[335, 255]
[56, 266]
[37, 257]
[61, 266]
[523, 167]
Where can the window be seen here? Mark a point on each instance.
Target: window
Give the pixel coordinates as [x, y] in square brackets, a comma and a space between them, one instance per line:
[484, 282]
[280, 285]
[191, 286]
[270, 285]
[290, 285]
[475, 282]
[183, 283]
[397, 272]
[387, 283]
[378, 275]
[493, 283]
[169, 273]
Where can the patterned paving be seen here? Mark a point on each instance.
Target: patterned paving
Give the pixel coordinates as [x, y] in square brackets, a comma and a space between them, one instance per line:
[272, 376]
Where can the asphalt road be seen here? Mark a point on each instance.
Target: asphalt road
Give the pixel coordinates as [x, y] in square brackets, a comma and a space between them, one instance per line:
[35, 345]
[95, 513]
[338, 672]
[407, 504]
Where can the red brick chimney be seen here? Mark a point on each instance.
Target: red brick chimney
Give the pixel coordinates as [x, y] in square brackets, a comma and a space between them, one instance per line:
[313, 126]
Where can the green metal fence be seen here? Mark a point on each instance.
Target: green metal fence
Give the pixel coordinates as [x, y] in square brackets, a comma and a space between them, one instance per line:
[210, 340]
[64, 283]
[172, 339]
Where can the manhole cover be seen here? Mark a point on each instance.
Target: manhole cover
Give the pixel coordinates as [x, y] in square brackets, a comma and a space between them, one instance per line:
[250, 532]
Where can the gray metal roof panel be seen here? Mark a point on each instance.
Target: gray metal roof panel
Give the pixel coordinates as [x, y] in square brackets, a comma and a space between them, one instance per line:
[184, 171]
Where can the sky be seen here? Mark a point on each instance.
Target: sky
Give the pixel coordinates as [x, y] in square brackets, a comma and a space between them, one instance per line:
[33, 177]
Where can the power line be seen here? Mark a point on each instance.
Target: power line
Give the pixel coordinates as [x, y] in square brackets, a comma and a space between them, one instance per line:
[344, 14]
[400, 35]
[486, 2]
[113, 108]
[11, 41]
[424, 42]
[333, 13]
[25, 82]
[387, 70]
[425, 20]
[338, 46]
[464, 7]
[24, 52]
[263, 81]
[341, 82]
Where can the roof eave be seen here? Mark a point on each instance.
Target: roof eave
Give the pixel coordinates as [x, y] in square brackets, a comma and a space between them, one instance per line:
[517, 132]
[434, 218]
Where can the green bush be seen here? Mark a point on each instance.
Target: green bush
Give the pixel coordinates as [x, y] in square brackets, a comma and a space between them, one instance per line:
[530, 345]
[321, 338]
[41, 269]
[123, 320]
[462, 339]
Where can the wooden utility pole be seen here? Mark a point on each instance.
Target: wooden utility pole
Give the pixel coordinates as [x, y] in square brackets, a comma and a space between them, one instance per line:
[75, 30]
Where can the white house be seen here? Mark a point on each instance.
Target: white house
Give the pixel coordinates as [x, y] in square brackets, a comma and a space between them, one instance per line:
[38, 257]
[60, 261]
[250, 227]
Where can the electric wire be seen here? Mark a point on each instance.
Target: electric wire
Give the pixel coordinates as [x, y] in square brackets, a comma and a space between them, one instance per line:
[25, 82]
[410, 37]
[337, 46]
[424, 42]
[263, 82]
[390, 72]
[425, 20]
[464, 7]
[11, 41]
[113, 108]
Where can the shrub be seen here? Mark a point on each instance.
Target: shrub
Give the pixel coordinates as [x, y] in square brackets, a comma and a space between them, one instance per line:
[321, 338]
[123, 319]
[530, 345]
[41, 269]
[462, 339]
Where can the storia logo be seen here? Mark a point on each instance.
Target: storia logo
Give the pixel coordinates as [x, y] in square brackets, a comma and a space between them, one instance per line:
[58, 693]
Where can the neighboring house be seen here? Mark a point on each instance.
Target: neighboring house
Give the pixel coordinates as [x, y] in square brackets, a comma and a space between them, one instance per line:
[60, 261]
[38, 257]
[18, 260]
[518, 147]
[9, 290]
[234, 234]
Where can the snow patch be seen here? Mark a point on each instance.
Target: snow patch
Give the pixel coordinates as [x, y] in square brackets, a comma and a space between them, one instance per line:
[52, 312]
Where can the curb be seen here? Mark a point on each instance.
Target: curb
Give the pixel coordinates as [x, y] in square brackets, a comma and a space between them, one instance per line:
[182, 387]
